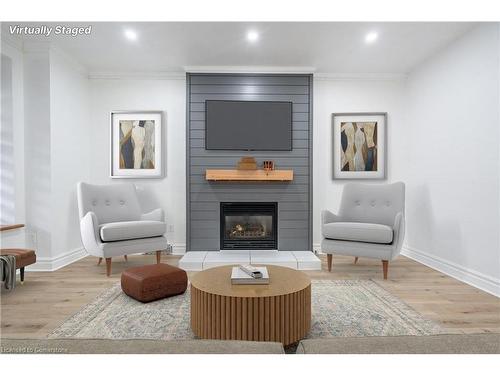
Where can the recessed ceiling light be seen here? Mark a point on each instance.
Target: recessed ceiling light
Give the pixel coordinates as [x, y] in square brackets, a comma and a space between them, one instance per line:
[130, 34]
[371, 37]
[252, 36]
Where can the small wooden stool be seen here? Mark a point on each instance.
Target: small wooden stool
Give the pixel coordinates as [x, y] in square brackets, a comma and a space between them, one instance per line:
[24, 257]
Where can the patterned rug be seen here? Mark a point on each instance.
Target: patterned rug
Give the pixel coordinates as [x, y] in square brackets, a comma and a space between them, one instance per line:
[339, 308]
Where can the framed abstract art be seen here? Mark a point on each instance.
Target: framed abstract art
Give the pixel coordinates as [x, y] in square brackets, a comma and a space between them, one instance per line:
[359, 145]
[136, 144]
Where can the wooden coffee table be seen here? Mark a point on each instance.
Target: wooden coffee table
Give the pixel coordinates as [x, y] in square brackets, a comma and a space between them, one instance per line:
[280, 311]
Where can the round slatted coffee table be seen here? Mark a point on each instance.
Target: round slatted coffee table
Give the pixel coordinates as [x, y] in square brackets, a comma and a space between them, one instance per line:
[279, 311]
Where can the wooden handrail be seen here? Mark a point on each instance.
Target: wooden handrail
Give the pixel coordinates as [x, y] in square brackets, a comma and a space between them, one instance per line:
[10, 226]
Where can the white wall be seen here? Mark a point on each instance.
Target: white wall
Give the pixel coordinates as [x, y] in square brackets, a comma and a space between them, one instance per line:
[70, 149]
[169, 96]
[453, 171]
[336, 95]
[7, 161]
[37, 145]
[60, 147]
[14, 52]
[55, 153]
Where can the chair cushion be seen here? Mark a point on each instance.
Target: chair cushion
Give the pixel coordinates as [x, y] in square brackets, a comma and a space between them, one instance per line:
[129, 230]
[361, 232]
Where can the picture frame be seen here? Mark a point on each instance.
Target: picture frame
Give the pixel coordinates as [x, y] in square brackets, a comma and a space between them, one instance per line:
[136, 144]
[359, 145]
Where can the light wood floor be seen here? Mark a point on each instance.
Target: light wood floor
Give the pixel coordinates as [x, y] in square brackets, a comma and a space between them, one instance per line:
[47, 298]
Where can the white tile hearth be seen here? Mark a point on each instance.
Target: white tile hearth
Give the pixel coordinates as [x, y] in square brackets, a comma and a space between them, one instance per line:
[275, 258]
[221, 258]
[306, 260]
[193, 260]
[200, 260]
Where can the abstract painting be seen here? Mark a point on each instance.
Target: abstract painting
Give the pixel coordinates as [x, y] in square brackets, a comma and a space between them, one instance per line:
[136, 144]
[359, 145]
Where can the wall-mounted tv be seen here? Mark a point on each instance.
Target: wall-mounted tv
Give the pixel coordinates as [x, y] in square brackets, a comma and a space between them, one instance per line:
[248, 125]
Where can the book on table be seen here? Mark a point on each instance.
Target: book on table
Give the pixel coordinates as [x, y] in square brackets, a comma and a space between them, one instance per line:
[251, 270]
[239, 277]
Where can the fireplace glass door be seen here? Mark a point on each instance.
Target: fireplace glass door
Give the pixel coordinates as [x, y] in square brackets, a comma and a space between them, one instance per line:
[249, 225]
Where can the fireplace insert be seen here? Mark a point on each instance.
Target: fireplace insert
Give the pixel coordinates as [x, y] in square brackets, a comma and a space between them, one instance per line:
[248, 225]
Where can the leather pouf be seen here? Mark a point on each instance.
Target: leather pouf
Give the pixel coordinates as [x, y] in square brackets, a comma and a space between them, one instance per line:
[153, 282]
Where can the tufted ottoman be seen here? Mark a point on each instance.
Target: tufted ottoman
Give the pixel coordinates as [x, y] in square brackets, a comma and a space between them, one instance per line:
[152, 282]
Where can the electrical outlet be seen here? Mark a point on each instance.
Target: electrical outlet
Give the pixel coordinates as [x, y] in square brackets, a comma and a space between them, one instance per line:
[171, 228]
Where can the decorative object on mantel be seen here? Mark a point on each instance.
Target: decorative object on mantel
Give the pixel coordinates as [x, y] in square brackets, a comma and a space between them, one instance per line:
[268, 165]
[247, 163]
[359, 145]
[136, 144]
[258, 175]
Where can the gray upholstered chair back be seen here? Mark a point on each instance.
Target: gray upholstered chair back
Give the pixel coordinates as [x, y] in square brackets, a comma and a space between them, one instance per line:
[370, 203]
[110, 203]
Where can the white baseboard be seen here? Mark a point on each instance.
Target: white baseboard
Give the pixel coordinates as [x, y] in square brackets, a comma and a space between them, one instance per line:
[45, 264]
[178, 248]
[476, 279]
[317, 248]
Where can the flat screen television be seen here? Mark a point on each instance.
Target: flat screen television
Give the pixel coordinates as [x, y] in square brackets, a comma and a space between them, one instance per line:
[248, 125]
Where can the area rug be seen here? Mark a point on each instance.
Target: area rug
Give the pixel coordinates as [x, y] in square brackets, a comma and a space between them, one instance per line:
[339, 308]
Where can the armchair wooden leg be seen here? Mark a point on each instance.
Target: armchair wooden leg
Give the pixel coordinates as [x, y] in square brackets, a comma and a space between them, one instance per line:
[126, 258]
[356, 260]
[329, 258]
[99, 261]
[21, 270]
[385, 267]
[158, 256]
[108, 267]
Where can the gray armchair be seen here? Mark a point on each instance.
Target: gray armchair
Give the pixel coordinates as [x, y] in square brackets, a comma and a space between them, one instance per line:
[112, 223]
[370, 223]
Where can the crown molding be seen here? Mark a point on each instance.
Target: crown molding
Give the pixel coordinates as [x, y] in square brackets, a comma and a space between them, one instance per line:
[36, 46]
[110, 75]
[12, 40]
[49, 49]
[360, 76]
[75, 64]
[251, 69]
[137, 75]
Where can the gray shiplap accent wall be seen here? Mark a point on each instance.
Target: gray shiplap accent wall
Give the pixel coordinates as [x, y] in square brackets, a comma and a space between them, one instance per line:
[203, 198]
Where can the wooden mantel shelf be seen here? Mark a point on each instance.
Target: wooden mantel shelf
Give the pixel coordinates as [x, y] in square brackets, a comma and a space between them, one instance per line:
[258, 175]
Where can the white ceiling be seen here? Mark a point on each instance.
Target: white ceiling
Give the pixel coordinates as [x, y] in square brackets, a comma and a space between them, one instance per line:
[334, 47]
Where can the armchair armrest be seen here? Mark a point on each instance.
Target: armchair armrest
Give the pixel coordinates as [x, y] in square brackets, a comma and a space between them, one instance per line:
[328, 217]
[399, 233]
[155, 215]
[89, 230]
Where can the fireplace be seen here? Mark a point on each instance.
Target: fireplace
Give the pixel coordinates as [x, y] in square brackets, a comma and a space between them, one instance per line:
[248, 225]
